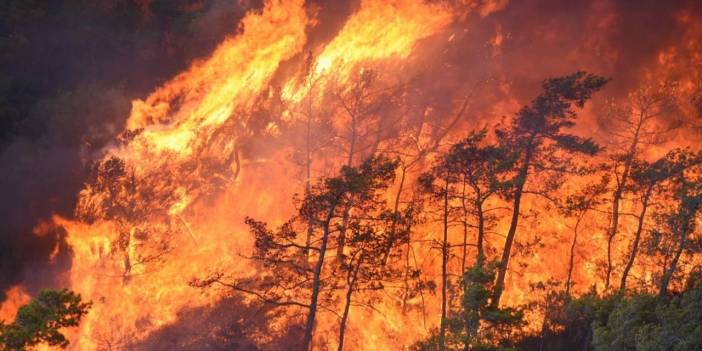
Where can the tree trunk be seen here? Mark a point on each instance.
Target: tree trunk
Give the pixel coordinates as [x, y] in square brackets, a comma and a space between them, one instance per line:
[686, 213]
[349, 163]
[444, 272]
[507, 250]
[481, 226]
[342, 233]
[351, 282]
[465, 228]
[544, 329]
[395, 215]
[406, 293]
[665, 280]
[572, 255]
[613, 230]
[617, 197]
[308, 182]
[637, 240]
[473, 315]
[309, 326]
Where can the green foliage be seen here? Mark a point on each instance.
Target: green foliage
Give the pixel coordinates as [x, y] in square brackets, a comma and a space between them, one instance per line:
[647, 322]
[637, 322]
[589, 308]
[629, 318]
[478, 325]
[41, 320]
[486, 327]
[672, 233]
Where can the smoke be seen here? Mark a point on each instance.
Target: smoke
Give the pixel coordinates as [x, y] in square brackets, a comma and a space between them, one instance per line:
[85, 80]
[501, 58]
[72, 77]
[619, 39]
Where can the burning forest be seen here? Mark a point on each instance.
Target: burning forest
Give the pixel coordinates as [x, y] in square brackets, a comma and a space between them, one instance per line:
[351, 175]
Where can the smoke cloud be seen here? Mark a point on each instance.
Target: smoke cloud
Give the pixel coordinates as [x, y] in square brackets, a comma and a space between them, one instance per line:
[81, 81]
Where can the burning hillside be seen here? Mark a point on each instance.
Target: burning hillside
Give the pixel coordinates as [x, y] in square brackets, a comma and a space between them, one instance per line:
[382, 175]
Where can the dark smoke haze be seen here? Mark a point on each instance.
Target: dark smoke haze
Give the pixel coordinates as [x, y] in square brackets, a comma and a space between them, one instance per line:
[74, 67]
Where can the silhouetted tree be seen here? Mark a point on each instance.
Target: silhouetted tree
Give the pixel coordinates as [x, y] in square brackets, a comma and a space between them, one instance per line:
[481, 170]
[471, 172]
[116, 193]
[41, 321]
[478, 325]
[436, 184]
[288, 279]
[421, 141]
[537, 134]
[675, 224]
[362, 101]
[577, 207]
[646, 178]
[634, 128]
[368, 242]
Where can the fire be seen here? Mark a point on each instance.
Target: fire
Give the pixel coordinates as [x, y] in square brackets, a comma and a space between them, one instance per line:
[203, 98]
[178, 135]
[176, 123]
[168, 199]
[16, 297]
[380, 30]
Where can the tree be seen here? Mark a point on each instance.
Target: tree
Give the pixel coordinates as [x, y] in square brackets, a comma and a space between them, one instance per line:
[288, 277]
[485, 324]
[635, 127]
[577, 206]
[308, 128]
[676, 223]
[424, 137]
[370, 238]
[472, 172]
[437, 184]
[42, 319]
[116, 193]
[536, 135]
[362, 102]
[481, 169]
[478, 325]
[646, 178]
[647, 322]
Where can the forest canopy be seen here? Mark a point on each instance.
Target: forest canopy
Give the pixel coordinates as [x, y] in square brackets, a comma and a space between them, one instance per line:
[350, 175]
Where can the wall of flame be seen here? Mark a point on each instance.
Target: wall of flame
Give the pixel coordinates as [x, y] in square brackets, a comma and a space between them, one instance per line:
[211, 146]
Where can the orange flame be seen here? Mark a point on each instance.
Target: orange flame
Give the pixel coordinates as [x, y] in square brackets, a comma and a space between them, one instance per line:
[186, 185]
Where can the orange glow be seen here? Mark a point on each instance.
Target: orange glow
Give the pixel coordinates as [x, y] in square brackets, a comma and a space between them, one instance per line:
[171, 206]
[16, 297]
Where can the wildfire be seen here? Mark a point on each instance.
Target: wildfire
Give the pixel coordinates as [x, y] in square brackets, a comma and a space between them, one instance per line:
[168, 200]
[16, 297]
[182, 133]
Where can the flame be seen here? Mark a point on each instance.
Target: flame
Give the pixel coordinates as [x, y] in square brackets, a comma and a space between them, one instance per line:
[174, 129]
[380, 30]
[176, 121]
[16, 297]
[186, 181]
